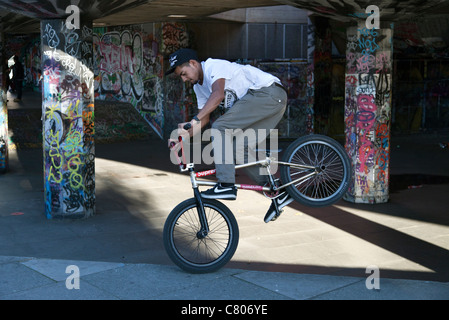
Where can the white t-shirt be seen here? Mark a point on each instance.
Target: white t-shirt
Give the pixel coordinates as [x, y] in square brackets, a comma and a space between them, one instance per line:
[239, 79]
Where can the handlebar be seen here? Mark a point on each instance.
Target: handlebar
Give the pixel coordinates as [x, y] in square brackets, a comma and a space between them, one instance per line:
[187, 126]
[182, 161]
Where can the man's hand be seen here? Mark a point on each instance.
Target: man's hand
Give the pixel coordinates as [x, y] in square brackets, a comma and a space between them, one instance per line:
[191, 128]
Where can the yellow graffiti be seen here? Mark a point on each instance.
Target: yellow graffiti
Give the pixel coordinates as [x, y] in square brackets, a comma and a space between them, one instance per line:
[49, 113]
[56, 159]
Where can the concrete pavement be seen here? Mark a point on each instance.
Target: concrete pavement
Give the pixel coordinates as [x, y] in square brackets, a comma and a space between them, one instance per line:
[308, 253]
[41, 279]
[305, 254]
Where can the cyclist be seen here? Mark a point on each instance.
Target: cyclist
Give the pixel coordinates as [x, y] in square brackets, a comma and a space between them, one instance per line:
[253, 100]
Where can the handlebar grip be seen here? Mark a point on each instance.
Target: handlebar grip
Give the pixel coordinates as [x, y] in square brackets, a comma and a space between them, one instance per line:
[187, 126]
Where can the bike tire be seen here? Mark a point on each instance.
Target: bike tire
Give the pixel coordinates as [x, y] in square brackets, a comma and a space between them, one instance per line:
[332, 177]
[191, 253]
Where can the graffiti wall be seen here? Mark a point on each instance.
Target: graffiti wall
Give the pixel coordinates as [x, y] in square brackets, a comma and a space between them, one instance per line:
[3, 137]
[68, 120]
[3, 132]
[3, 118]
[128, 67]
[367, 112]
[180, 100]
[297, 120]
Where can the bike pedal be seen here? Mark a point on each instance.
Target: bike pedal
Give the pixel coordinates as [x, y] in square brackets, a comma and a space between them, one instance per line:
[277, 215]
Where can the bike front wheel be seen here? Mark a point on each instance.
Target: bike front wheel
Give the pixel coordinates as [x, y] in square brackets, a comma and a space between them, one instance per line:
[193, 250]
[325, 175]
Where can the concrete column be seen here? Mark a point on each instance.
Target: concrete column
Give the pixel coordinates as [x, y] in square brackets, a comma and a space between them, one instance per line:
[4, 162]
[68, 119]
[368, 111]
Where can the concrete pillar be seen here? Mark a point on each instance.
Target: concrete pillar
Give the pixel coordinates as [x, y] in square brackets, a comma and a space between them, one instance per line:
[4, 162]
[369, 57]
[68, 119]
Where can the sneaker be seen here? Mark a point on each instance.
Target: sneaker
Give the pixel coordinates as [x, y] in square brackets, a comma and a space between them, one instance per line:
[277, 204]
[220, 192]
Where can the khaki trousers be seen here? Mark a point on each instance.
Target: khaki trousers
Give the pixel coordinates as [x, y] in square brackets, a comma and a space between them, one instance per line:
[243, 127]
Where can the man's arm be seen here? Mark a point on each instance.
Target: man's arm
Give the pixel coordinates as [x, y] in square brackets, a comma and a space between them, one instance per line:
[213, 102]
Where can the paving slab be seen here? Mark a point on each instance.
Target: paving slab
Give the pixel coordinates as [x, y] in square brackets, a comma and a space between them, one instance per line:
[390, 289]
[298, 286]
[59, 291]
[16, 277]
[59, 270]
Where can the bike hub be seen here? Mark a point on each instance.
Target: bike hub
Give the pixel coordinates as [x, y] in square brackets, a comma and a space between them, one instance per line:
[201, 234]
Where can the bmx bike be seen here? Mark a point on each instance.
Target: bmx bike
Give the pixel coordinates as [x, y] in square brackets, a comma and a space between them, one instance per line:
[201, 235]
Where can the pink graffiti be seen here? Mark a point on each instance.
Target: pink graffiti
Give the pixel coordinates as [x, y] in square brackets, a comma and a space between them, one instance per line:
[351, 80]
[52, 74]
[120, 52]
[368, 63]
[366, 119]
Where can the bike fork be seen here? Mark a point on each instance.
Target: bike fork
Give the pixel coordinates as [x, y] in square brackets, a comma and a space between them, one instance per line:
[203, 232]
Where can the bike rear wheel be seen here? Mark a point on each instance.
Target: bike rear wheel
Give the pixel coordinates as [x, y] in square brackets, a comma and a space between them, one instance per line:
[330, 178]
[193, 251]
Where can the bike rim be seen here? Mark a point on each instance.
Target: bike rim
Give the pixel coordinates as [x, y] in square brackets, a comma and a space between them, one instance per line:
[205, 251]
[329, 173]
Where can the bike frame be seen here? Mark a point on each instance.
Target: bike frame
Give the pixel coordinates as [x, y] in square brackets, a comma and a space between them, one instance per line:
[264, 163]
[190, 167]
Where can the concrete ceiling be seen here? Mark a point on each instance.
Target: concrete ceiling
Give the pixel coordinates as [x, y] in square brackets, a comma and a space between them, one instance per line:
[22, 16]
[161, 10]
[390, 10]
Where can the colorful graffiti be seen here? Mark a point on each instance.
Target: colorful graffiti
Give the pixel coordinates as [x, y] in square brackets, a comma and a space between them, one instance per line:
[3, 120]
[68, 120]
[367, 112]
[128, 67]
[174, 36]
[297, 120]
[180, 101]
[3, 136]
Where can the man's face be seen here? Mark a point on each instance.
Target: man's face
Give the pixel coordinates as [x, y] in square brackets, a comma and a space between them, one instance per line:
[189, 72]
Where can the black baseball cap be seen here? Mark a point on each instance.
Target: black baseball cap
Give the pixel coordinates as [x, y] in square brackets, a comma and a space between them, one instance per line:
[179, 57]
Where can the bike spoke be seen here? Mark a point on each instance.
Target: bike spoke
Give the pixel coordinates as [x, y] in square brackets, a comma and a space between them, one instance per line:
[329, 170]
[194, 248]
